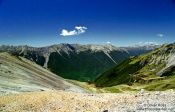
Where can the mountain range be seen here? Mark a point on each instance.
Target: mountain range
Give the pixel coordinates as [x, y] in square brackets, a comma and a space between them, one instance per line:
[75, 61]
[107, 67]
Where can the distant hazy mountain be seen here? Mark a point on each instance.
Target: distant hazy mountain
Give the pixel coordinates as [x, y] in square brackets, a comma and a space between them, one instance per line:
[75, 61]
[156, 68]
[140, 49]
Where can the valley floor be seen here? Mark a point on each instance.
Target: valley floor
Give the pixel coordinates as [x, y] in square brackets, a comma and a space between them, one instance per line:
[61, 101]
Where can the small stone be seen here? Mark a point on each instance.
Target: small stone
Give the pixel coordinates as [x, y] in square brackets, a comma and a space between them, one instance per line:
[157, 93]
[142, 91]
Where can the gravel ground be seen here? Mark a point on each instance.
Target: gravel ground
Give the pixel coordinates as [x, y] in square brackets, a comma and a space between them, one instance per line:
[61, 101]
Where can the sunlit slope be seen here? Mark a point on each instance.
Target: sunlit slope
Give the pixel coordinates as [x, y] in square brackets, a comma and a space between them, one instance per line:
[155, 69]
[21, 75]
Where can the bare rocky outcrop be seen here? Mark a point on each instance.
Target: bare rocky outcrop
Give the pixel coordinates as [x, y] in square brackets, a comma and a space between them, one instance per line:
[18, 74]
[170, 65]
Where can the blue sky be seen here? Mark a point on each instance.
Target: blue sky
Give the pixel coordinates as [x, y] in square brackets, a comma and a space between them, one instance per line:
[121, 22]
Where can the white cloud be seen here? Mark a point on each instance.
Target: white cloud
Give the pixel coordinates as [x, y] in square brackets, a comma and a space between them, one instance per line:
[65, 32]
[78, 30]
[108, 42]
[160, 35]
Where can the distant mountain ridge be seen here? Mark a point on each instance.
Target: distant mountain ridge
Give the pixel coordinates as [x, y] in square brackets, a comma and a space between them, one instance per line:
[75, 61]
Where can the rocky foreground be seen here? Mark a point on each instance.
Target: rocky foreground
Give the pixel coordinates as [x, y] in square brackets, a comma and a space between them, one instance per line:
[60, 101]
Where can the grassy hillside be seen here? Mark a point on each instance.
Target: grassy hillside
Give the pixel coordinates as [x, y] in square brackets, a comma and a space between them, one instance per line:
[152, 71]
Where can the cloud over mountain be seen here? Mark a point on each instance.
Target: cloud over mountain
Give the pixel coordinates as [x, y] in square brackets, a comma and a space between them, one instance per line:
[108, 42]
[160, 35]
[77, 31]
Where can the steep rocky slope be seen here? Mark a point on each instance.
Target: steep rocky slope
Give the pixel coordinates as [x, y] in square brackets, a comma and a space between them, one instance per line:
[74, 61]
[18, 74]
[156, 68]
